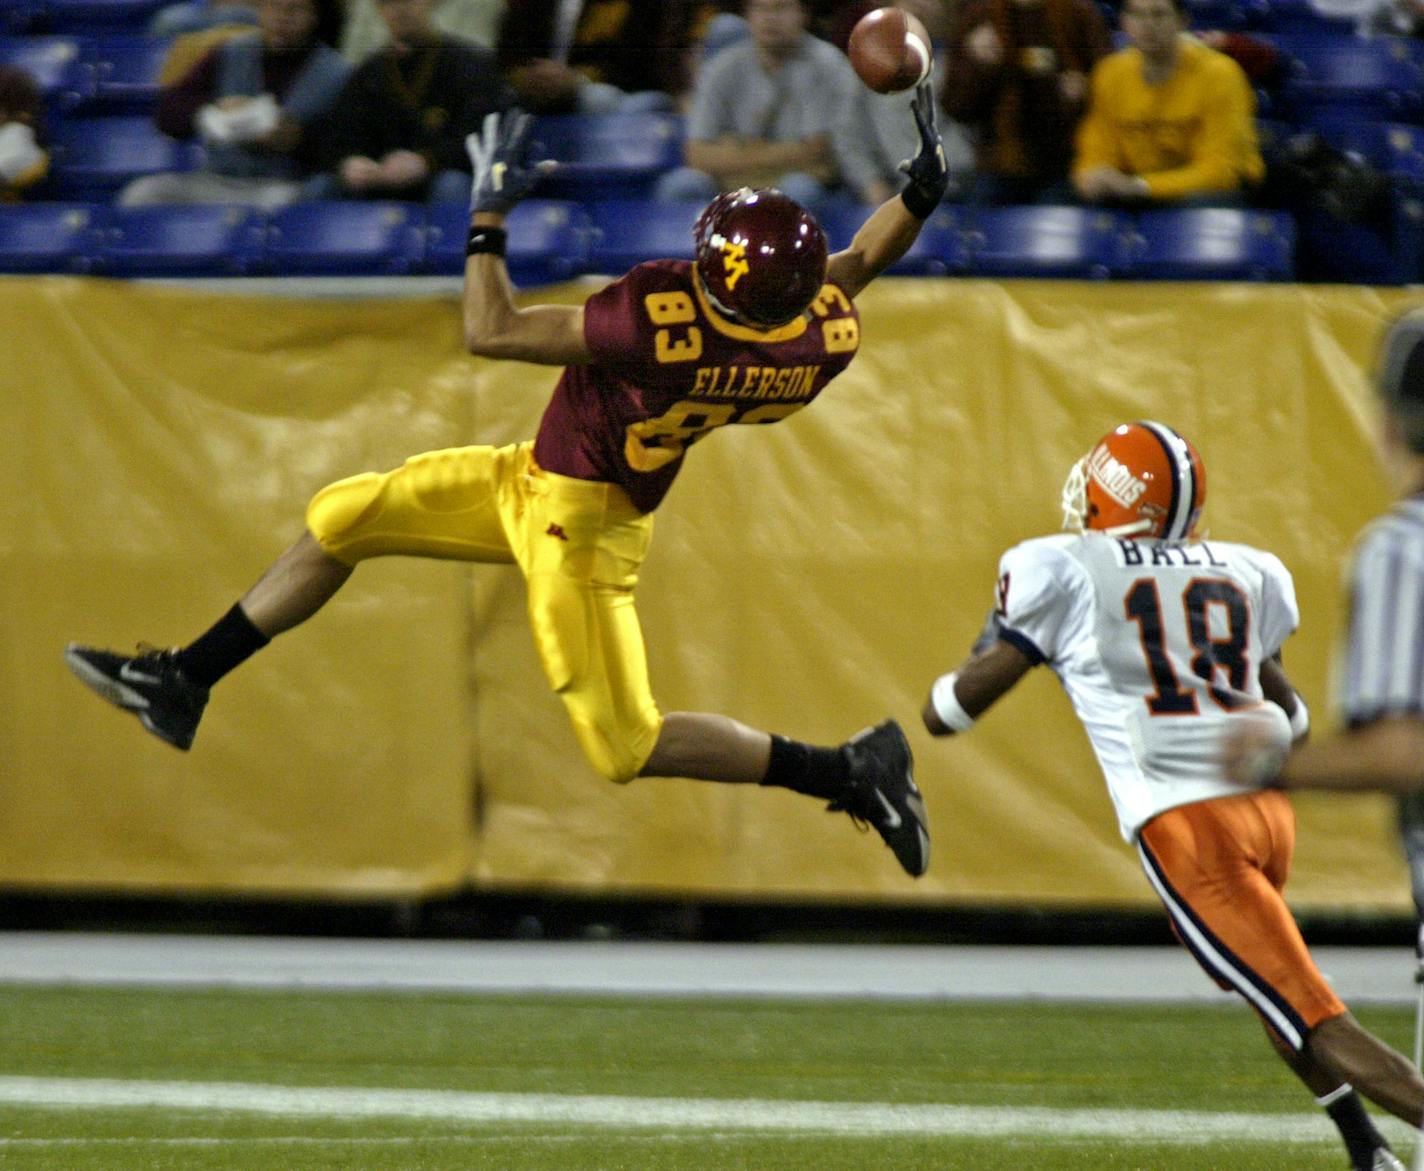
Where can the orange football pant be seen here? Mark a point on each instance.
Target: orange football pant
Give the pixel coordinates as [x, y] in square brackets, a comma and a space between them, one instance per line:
[579, 543]
[1220, 867]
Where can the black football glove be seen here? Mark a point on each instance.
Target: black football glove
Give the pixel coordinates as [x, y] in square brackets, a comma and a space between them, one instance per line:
[929, 173]
[503, 174]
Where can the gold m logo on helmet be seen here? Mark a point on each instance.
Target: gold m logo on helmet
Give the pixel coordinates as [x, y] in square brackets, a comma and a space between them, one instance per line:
[734, 260]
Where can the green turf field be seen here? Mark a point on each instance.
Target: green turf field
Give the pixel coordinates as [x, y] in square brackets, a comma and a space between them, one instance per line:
[275, 1080]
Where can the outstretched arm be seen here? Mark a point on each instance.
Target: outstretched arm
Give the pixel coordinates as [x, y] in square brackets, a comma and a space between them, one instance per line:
[1385, 755]
[893, 227]
[495, 327]
[959, 698]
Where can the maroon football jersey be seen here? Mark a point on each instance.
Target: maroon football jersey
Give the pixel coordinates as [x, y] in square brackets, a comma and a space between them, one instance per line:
[668, 368]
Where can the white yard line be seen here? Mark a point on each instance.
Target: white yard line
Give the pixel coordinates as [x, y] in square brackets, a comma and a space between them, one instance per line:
[906, 973]
[669, 1115]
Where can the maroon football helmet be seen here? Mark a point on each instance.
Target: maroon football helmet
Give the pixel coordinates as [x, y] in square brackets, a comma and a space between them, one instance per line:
[761, 256]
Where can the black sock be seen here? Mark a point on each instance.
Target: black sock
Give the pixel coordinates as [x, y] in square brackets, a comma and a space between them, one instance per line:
[806, 768]
[1362, 1140]
[231, 641]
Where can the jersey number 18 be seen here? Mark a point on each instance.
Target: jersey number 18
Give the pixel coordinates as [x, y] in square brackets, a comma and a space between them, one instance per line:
[1211, 652]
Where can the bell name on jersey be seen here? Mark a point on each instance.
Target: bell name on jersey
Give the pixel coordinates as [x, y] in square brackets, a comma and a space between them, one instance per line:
[1165, 553]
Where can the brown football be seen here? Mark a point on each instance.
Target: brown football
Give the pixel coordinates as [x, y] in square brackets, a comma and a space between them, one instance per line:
[890, 50]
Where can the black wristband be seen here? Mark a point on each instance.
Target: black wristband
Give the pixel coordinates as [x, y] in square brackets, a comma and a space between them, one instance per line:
[919, 202]
[486, 240]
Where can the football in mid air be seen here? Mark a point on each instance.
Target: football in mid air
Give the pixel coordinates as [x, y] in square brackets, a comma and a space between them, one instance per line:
[890, 50]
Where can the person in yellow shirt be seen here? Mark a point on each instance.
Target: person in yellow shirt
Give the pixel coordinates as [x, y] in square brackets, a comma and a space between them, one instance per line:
[1169, 120]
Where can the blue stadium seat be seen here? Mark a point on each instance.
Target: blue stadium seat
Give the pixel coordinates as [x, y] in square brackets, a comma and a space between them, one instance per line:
[1360, 254]
[1386, 250]
[1045, 241]
[344, 237]
[942, 248]
[1371, 78]
[607, 156]
[94, 157]
[548, 240]
[188, 240]
[1301, 16]
[1402, 153]
[1394, 147]
[1232, 15]
[126, 71]
[21, 17]
[49, 237]
[59, 66]
[98, 17]
[629, 231]
[1202, 244]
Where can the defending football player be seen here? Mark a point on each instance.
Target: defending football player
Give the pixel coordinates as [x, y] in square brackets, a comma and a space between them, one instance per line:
[749, 332]
[1162, 640]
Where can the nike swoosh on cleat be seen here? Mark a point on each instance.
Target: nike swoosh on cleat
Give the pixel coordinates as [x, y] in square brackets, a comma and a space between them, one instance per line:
[893, 820]
[130, 674]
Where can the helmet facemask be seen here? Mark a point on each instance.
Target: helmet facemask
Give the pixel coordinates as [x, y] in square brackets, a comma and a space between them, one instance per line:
[1075, 497]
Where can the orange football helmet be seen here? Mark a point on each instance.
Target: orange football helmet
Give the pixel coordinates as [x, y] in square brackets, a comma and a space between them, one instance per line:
[1139, 480]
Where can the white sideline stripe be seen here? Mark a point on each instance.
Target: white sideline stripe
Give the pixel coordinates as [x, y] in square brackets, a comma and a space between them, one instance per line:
[666, 1114]
[781, 971]
[521, 1138]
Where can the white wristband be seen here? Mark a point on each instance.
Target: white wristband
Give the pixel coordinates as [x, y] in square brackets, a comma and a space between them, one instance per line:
[1300, 720]
[947, 706]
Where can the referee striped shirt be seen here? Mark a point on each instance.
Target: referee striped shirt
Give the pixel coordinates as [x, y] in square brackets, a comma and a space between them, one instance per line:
[1384, 659]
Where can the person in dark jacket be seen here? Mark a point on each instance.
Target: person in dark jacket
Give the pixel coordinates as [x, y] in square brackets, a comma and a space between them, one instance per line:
[1018, 80]
[253, 100]
[398, 129]
[598, 56]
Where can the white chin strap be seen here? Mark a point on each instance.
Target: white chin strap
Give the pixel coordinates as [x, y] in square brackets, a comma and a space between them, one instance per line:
[1137, 526]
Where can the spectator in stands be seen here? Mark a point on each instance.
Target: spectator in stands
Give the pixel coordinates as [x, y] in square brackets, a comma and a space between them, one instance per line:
[878, 122]
[765, 111]
[24, 153]
[399, 126]
[253, 100]
[1017, 78]
[1169, 119]
[364, 32]
[597, 56]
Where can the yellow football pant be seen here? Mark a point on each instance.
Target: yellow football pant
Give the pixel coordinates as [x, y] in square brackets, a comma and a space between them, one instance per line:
[579, 544]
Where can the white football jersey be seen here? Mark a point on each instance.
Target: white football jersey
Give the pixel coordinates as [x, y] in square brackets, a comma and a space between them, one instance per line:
[1158, 645]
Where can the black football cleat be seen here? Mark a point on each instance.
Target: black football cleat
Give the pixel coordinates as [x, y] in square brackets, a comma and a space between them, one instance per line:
[149, 684]
[882, 793]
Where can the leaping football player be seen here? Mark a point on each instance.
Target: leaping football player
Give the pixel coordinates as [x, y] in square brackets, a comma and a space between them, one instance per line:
[1164, 640]
[749, 332]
